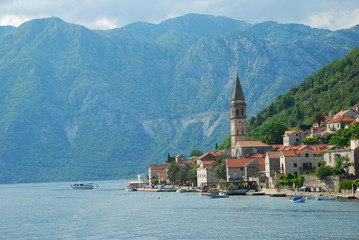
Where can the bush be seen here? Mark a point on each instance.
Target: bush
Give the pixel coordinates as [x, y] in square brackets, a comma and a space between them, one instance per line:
[346, 184]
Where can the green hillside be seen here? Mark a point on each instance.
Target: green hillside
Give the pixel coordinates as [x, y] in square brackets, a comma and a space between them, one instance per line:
[331, 89]
[88, 104]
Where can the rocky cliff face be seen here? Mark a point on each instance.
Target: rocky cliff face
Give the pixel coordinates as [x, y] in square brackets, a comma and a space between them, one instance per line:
[82, 104]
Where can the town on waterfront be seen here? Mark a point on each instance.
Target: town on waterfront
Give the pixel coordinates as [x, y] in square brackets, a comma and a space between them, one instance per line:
[304, 164]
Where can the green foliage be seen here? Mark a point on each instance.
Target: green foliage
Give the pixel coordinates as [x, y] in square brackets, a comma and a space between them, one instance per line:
[332, 88]
[345, 184]
[341, 164]
[270, 133]
[323, 171]
[196, 153]
[178, 174]
[219, 169]
[342, 137]
[290, 179]
[310, 140]
[225, 144]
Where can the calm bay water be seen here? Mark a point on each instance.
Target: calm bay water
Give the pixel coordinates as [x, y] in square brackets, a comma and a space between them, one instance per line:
[55, 211]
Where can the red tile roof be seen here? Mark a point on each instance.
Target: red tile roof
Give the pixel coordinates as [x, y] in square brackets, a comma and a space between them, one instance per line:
[207, 156]
[252, 144]
[162, 174]
[159, 167]
[257, 155]
[239, 162]
[279, 146]
[273, 154]
[290, 153]
[341, 119]
[341, 113]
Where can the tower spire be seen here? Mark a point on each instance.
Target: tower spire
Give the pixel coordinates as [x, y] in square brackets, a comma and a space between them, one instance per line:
[238, 92]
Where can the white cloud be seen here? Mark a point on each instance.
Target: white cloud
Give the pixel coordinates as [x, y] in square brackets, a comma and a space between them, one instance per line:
[334, 19]
[103, 23]
[12, 20]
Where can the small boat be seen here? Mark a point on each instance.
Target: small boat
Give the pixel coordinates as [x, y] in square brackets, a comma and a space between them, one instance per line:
[220, 194]
[129, 189]
[322, 197]
[82, 185]
[297, 199]
[181, 190]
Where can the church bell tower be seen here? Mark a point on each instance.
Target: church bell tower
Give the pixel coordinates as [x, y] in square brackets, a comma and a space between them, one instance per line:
[238, 116]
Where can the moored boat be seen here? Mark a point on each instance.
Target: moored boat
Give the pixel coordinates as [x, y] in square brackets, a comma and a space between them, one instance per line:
[322, 197]
[297, 199]
[181, 190]
[220, 194]
[82, 185]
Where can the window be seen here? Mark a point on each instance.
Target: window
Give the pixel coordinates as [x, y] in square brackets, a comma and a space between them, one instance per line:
[306, 155]
[237, 112]
[242, 111]
[296, 174]
[294, 164]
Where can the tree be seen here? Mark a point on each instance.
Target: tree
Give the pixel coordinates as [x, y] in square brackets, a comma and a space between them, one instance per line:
[196, 152]
[341, 165]
[271, 133]
[219, 169]
[323, 171]
[173, 173]
[318, 118]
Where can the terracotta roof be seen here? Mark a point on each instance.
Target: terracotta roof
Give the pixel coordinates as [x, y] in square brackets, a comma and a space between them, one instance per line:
[207, 156]
[341, 119]
[290, 153]
[286, 133]
[279, 146]
[257, 155]
[191, 163]
[252, 144]
[216, 154]
[273, 154]
[341, 113]
[162, 174]
[159, 167]
[261, 164]
[207, 163]
[239, 162]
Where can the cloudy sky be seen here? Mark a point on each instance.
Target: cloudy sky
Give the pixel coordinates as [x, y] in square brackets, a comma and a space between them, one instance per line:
[106, 14]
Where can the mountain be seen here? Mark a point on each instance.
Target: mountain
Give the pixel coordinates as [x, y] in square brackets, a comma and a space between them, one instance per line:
[331, 89]
[83, 104]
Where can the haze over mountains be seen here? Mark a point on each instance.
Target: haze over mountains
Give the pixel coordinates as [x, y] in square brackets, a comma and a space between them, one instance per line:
[84, 104]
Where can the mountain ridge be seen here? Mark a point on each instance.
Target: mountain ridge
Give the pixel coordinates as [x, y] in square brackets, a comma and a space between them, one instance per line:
[87, 104]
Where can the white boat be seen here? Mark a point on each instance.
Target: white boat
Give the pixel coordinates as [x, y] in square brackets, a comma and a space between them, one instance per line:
[297, 199]
[181, 190]
[82, 185]
[322, 197]
[220, 194]
[130, 189]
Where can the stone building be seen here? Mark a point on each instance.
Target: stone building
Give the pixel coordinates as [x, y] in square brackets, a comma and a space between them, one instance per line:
[291, 138]
[239, 169]
[299, 162]
[205, 174]
[272, 165]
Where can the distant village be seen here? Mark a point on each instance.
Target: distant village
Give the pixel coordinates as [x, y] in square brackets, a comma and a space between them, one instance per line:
[256, 161]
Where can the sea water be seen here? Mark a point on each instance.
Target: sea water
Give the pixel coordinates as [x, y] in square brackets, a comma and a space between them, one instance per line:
[55, 211]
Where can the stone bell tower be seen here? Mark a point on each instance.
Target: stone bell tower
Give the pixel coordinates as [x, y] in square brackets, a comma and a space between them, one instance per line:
[238, 116]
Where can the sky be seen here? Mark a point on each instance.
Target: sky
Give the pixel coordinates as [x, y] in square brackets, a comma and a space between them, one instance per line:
[108, 14]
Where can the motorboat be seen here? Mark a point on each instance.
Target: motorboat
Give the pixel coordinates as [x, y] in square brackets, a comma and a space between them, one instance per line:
[220, 194]
[181, 190]
[322, 197]
[83, 185]
[297, 199]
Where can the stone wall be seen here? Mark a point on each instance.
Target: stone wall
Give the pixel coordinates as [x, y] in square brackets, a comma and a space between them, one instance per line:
[331, 183]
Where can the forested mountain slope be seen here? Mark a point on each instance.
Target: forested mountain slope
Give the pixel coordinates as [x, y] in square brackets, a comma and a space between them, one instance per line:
[83, 104]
